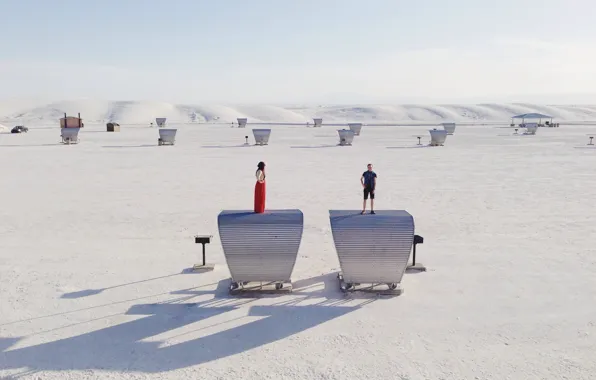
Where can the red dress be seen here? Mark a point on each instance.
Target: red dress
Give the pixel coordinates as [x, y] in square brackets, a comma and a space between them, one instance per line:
[260, 196]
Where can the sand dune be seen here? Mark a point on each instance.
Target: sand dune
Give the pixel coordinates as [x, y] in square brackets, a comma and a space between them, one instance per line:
[145, 112]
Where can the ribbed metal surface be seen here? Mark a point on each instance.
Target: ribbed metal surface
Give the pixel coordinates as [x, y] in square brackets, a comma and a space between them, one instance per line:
[260, 247]
[70, 133]
[437, 136]
[372, 248]
[449, 127]
[167, 135]
[356, 128]
[346, 136]
[531, 128]
[160, 121]
[261, 136]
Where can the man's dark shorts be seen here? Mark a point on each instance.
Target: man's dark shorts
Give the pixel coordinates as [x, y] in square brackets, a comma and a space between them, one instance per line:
[368, 191]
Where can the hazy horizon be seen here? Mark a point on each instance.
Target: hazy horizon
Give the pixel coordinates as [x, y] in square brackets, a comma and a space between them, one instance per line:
[308, 52]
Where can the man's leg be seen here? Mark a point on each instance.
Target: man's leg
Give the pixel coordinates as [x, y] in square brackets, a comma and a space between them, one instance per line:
[372, 201]
[364, 201]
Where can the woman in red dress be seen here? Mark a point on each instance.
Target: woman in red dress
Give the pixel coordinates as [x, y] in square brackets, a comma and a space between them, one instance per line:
[260, 189]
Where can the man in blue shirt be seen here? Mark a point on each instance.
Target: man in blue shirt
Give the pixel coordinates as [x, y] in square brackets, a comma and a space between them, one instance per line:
[369, 183]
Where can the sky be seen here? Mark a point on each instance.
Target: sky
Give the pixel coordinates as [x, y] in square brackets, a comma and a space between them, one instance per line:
[299, 51]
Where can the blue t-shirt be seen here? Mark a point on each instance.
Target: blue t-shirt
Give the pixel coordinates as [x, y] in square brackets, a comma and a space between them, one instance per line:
[369, 179]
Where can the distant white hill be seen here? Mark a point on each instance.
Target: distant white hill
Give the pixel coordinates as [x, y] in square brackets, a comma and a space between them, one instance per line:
[145, 112]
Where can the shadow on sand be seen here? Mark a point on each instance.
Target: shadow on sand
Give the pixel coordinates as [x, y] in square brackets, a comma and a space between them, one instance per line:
[315, 146]
[130, 146]
[128, 346]
[91, 292]
[228, 146]
[30, 146]
[410, 147]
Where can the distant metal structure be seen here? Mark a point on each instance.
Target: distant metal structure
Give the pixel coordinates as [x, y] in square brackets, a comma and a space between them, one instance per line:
[70, 135]
[346, 137]
[69, 128]
[356, 128]
[449, 127]
[437, 137]
[167, 136]
[261, 136]
[242, 121]
[531, 116]
[318, 122]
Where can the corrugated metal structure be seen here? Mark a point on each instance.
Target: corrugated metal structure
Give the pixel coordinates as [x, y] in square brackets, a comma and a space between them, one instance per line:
[346, 137]
[437, 137]
[356, 128]
[449, 127]
[261, 136]
[70, 135]
[372, 249]
[260, 247]
[242, 121]
[167, 136]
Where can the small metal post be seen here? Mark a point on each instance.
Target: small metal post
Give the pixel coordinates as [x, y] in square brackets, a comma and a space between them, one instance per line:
[246, 137]
[591, 140]
[516, 130]
[416, 267]
[419, 143]
[204, 261]
[203, 239]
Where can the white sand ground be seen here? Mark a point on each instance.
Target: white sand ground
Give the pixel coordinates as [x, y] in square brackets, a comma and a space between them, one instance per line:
[94, 239]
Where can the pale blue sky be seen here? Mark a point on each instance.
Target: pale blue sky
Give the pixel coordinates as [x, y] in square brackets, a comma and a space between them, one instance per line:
[283, 51]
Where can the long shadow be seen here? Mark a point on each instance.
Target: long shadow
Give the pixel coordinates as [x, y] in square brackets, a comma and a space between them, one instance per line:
[97, 307]
[327, 279]
[91, 292]
[410, 147]
[516, 135]
[32, 145]
[130, 146]
[314, 146]
[121, 347]
[584, 147]
[227, 146]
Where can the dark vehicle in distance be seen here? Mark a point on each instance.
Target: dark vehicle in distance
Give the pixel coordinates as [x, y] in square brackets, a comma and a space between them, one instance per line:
[19, 129]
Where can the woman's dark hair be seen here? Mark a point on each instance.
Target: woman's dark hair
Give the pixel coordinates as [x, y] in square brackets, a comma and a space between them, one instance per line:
[261, 165]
